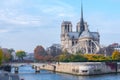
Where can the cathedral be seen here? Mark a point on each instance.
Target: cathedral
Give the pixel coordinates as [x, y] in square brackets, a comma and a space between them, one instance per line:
[82, 40]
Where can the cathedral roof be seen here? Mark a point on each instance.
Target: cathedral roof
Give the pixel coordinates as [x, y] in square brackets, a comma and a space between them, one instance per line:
[85, 34]
[73, 35]
[95, 35]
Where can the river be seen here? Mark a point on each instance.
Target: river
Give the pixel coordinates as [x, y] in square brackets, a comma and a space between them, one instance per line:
[27, 73]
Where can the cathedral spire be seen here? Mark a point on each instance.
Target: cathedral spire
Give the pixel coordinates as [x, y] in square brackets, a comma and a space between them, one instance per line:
[81, 10]
[82, 27]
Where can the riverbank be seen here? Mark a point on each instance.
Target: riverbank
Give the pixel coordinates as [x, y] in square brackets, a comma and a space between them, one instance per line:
[84, 68]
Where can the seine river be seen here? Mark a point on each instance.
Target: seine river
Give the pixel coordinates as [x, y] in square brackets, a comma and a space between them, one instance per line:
[27, 73]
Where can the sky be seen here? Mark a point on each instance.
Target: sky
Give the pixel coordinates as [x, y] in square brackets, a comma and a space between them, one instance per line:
[24, 24]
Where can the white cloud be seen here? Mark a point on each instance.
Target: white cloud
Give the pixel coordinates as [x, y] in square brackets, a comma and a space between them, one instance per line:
[14, 14]
[4, 30]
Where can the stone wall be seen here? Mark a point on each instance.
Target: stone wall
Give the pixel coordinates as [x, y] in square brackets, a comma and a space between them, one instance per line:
[82, 68]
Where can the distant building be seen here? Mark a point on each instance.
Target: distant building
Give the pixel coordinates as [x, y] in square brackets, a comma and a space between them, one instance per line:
[54, 50]
[115, 46]
[14, 55]
[82, 40]
[29, 56]
[108, 50]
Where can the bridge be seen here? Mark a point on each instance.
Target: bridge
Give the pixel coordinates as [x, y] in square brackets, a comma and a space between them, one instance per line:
[21, 64]
[36, 66]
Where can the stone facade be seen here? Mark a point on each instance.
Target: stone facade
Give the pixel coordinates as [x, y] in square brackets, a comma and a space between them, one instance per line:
[82, 40]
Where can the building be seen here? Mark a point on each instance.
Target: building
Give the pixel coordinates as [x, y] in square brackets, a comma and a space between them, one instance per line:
[54, 50]
[115, 46]
[29, 57]
[82, 40]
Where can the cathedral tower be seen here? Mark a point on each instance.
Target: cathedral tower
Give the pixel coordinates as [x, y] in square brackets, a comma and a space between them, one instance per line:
[66, 27]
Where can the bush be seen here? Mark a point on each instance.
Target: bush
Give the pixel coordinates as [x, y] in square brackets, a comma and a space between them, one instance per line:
[116, 55]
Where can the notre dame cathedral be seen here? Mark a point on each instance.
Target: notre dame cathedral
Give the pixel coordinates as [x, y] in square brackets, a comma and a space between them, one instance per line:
[82, 40]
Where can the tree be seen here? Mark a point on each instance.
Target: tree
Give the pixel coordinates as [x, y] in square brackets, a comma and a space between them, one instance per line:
[6, 55]
[39, 53]
[65, 57]
[79, 57]
[1, 56]
[48, 58]
[116, 55]
[20, 54]
[12, 52]
[62, 57]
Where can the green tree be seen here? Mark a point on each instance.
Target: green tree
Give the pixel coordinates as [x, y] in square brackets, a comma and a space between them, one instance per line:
[62, 57]
[72, 58]
[79, 58]
[11, 51]
[116, 55]
[20, 54]
[1, 56]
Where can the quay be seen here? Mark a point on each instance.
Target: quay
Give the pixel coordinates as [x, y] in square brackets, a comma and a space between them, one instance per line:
[84, 68]
[77, 68]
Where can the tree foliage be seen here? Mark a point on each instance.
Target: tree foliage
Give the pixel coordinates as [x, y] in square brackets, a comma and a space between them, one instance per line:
[72, 58]
[64, 57]
[6, 55]
[116, 55]
[11, 50]
[11, 53]
[39, 53]
[20, 54]
[95, 57]
[1, 56]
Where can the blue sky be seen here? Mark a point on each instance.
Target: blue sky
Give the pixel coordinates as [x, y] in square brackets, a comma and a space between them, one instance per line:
[24, 24]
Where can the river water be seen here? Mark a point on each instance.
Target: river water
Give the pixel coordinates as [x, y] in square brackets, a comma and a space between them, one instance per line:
[27, 73]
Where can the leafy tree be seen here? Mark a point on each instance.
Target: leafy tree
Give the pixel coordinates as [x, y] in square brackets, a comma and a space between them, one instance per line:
[116, 55]
[11, 50]
[20, 54]
[11, 53]
[72, 58]
[79, 57]
[39, 53]
[97, 57]
[62, 57]
[1, 56]
[6, 55]
[65, 52]
[48, 58]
